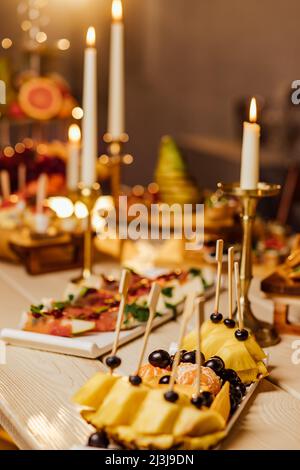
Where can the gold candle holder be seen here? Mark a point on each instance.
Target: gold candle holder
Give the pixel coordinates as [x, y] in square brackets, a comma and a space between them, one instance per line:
[88, 196]
[115, 156]
[264, 332]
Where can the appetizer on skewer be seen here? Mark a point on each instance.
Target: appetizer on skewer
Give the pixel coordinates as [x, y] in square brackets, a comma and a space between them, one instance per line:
[236, 346]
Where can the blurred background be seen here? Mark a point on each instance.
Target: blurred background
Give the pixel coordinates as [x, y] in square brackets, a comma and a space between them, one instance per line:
[189, 67]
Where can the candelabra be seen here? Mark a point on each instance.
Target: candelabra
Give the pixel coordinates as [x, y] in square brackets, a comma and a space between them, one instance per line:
[264, 332]
[115, 158]
[88, 196]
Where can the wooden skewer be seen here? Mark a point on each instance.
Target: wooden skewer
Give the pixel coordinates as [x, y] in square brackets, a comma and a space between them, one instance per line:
[230, 281]
[123, 290]
[199, 319]
[21, 177]
[5, 184]
[152, 303]
[219, 259]
[188, 311]
[41, 192]
[238, 295]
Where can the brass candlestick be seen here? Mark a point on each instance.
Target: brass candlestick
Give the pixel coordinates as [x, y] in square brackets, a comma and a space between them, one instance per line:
[115, 156]
[88, 196]
[264, 332]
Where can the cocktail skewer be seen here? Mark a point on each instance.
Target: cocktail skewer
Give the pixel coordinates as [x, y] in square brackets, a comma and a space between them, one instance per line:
[217, 317]
[241, 334]
[189, 306]
[229, 322]
[5, 184]
[199, 318]
[113, 361]
[152, 303]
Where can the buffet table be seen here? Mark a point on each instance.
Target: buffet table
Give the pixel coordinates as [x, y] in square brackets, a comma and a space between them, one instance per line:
[35, 387]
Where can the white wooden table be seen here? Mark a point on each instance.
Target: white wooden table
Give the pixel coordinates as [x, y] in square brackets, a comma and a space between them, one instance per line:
[35, 387]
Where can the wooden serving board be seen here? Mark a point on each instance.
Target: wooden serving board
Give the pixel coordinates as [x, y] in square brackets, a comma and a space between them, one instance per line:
[280, 285]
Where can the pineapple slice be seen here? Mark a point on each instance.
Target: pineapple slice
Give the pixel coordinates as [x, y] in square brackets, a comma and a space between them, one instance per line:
[200, 443]
[156, 415]
[221, 403]
[161, 442]
[213, 336]
[253, 375]
[93, 392]
[195, 423]
[120, 405]
[262, 370]
[122, 435]
[248, 376]
[254, 349]
[236, 356]
[190, 340]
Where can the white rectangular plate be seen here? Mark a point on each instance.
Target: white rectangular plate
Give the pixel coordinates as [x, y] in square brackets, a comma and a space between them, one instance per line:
[88, 346]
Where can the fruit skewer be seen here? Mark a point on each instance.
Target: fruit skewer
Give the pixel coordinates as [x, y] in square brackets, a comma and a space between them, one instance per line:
[216, 316]
[152, 303]
[114, 361]
[241, 334]
[229, 322]
[199, 319]
[171, 395]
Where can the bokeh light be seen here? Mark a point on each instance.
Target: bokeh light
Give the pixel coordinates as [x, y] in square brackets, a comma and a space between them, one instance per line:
[63, 44]
[80, 210]
[6, 43]
[77, 113]
[41, 37]
[62, 206]
[9, 152]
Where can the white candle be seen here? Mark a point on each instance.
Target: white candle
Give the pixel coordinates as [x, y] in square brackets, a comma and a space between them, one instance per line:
[41, 192]
[73, 157]
[116, 100]
[250, 151]
[89, 122]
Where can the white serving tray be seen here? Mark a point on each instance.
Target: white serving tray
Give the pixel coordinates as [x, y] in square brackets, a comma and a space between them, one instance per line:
[250, 391]
[88, 346]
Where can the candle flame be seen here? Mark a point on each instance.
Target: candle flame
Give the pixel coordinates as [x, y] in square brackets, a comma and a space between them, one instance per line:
[117, 10]
[253, 111]
[74, 133]
[91, 36]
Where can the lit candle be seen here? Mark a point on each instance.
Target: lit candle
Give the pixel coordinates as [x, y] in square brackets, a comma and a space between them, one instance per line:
[250, 151]
[116, 118]
[73, 157]
[89, 121]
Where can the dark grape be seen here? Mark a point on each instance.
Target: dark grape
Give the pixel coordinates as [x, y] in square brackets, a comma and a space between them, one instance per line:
[98, 439]
[160, 358]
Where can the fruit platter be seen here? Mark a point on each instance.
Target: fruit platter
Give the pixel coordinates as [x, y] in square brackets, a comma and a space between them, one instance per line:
[187, 399]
